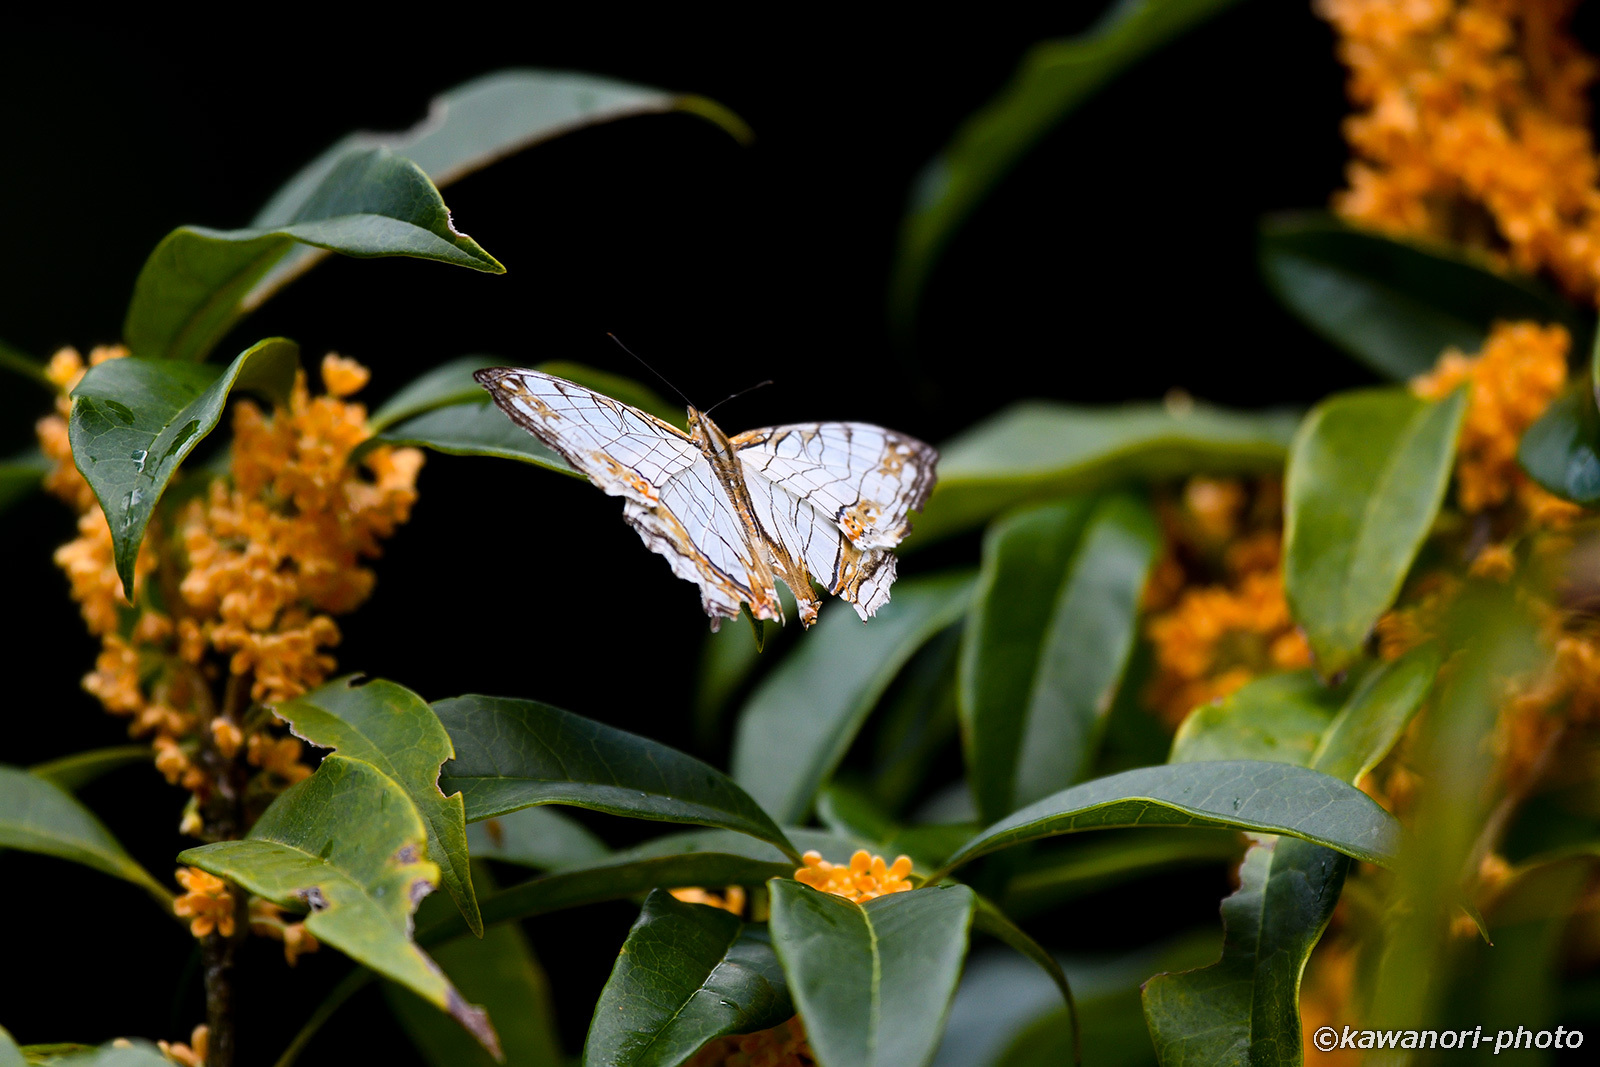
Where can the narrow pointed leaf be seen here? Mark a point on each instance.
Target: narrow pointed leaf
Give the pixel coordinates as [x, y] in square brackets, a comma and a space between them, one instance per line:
[1279, 717]
[1394, 306]
[1049, 632]
[37, 815]
[360, 888]
[79, 769]
[535, 837]
[444, 386]
[1367, 473]
[1244, 1009]
[1375, 715]
[476, 124]
[195, 285]
[994, 922]
[1275, 798]
[474, 428]
[393, 729]
[134, 420]
[873, 982]
[687, 973]
[803, 716]
[1041, 451]
[500, 973]
[1100, 862]
[1052, 80]
[513, 754]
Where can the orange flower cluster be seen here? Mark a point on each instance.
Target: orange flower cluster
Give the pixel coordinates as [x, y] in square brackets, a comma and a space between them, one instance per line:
[1211, 637]
[1522, 368]
[191, 1055]
[259, 564]
[1473, 129]
[267, 920]
[730, 899]
[866, 877]
[205, 901]
[782, 1046]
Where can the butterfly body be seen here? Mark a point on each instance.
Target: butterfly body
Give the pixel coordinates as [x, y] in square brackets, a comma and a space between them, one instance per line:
[818, 501]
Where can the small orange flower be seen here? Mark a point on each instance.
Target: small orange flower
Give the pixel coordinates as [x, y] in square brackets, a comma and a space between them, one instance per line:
[191, 1055]
[866, 877]
[267, 919]
[279, 756]
[784, 1045]
[730, 899]
[206, 902]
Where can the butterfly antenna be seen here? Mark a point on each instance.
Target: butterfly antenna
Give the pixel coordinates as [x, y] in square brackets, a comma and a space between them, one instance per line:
[736, 396]
[649, 368]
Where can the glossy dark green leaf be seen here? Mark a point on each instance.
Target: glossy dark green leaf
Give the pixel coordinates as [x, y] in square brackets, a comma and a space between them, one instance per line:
[513, 754]
[1041, 451]
[20, 475]
[1375, 714]
[37, 815]
[1367, 473]
[803, 716]
[917, 721]
[1053, 79]
[873, 982]
[393, 729]
[1275, 798]
[1279, 717]
[542, 838]
[475, 428]
[360, 888]
[1561, 451]
[687, 973]
[452, 383]
[79, 769]
[1098, 862]
[992, 921]
[197, 283]
[1050, 628]
[1394, 306]
[476, 124]
[500, 973]
[695, 858]
[134, 420]
[1245, 1009]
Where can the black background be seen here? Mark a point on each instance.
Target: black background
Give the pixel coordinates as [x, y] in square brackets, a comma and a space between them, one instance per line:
[1116, 263]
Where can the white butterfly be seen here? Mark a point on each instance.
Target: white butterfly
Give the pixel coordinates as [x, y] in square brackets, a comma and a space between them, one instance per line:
[823, 500]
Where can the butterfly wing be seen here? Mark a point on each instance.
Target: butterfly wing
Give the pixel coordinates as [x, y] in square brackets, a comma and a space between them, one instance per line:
[837, 495]
[671, 493]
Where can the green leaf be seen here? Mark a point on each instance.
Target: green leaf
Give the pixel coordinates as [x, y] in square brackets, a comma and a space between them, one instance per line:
[687, 973]
[1052, 80]
[917, 721]
[134, 420]
[1375, 715]
[197, 283]
[361, 888]
[1041, 451]
[694, 858]
[1050, 629]
[20, 475]
[512, 754]
[500, 973]
[1244, 1009]
[452, 383]
[131, 1054]
[10, 1054]
[1367, 473]
[1280, 717]
[1394, 306]
[535, 837]
[1274, 798]
[992, 921]
[470, 429]
[476, 124]
[1561, 451]
[37, 815]
[393, 729]
[803, 716]
[873, 982]
[1098, 862]
[79, 769]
